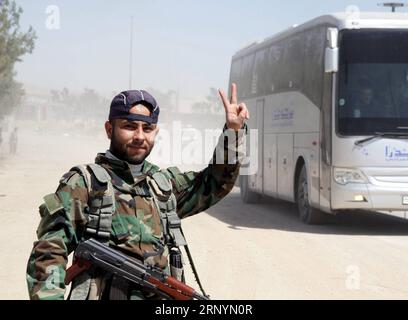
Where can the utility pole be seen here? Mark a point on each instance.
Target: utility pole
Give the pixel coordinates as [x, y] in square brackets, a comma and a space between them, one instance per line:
[393, 5]
[178, 98]
[131, 53]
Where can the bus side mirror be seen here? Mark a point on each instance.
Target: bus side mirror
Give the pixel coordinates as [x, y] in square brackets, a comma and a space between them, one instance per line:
[331, 58]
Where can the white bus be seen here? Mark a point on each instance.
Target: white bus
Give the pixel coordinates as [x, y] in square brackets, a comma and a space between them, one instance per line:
[330, 101]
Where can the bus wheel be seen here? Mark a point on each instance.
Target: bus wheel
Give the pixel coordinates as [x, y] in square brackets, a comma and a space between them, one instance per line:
[307, 214]
[247, 195]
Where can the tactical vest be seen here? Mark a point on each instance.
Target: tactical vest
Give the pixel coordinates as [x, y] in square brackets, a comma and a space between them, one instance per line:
[101, 204]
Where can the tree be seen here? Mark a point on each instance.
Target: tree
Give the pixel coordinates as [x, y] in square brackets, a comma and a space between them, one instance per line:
[166, 100]
[202, 107]
[92, 105]
[13, 45]
[214, 101]
[212, 104]
[85, 106]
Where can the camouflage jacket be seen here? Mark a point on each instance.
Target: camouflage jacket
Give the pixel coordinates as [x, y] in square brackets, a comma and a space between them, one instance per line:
[136, 225]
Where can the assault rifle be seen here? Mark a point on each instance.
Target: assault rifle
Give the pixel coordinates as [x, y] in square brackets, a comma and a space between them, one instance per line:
[94, 253]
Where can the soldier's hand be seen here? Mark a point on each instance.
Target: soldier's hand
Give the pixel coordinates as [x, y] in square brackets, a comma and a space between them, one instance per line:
[236, 114]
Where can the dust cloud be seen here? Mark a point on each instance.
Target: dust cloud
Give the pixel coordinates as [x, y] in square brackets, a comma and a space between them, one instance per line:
[46, 148]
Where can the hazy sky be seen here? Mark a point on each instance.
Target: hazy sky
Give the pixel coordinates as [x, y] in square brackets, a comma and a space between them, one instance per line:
[179, 44]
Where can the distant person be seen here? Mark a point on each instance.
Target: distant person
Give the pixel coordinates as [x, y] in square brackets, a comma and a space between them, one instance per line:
[366, 106]
[13, 141]
[1, 137]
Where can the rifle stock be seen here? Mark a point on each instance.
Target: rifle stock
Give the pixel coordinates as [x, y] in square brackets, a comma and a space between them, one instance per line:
[76, 269]
[92, 252]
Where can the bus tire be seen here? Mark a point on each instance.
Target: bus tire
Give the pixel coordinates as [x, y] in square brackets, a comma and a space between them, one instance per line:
[307, 214]
[247, 195]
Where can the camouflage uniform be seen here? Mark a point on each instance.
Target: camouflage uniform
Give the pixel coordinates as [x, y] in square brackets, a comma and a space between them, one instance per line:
[136, 226]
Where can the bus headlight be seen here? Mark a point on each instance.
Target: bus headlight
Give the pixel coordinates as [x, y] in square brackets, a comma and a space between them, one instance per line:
[344, 176]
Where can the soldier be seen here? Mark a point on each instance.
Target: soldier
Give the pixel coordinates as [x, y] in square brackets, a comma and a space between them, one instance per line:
[128, 203]
[13, 141]
[1, 138]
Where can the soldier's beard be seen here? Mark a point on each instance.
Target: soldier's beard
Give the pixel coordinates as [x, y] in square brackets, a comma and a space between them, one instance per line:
[120, 151]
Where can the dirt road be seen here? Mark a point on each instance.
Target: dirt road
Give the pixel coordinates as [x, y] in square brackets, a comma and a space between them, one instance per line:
[241, 251]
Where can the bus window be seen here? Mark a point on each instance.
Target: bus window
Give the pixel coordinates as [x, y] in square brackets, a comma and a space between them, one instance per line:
[259, 81]
[293, 63]
[275, 70]
[314, 48]
[236, 72]
[373, 82]
[246, 75]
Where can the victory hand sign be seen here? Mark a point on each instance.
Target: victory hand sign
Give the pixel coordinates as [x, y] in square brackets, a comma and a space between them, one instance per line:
[236, 114]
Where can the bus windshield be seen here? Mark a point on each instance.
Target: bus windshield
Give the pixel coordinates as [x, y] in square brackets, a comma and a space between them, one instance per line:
[373, 82]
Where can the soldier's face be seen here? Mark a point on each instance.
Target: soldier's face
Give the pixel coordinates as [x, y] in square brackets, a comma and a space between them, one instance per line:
[132, 141]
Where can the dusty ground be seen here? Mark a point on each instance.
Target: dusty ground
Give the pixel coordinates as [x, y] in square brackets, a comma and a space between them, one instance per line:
[241, 251]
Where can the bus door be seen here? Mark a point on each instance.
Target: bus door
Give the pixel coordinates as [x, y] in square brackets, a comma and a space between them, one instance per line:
[258, 177]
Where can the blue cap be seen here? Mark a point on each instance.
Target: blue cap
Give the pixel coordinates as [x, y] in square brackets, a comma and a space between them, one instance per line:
[126, 100]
